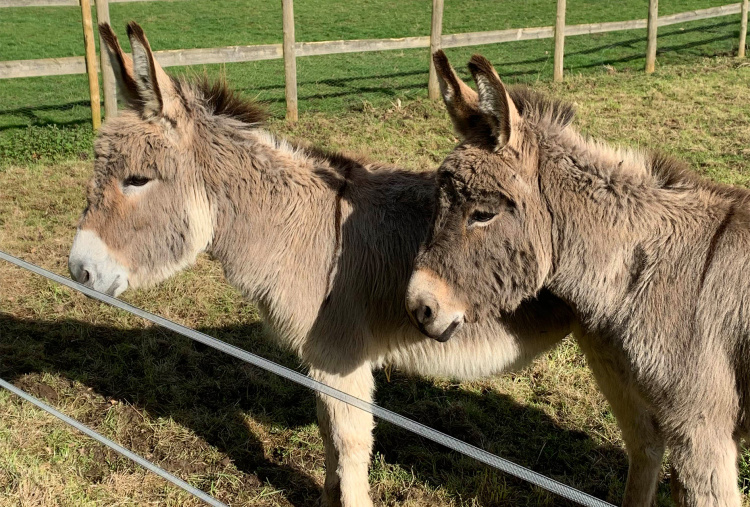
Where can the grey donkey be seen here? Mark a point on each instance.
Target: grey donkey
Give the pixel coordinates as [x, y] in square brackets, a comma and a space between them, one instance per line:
[651, 258]
[324, 244]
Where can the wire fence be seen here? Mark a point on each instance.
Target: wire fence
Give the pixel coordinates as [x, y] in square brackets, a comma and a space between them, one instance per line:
[112, 445]
[415, 427]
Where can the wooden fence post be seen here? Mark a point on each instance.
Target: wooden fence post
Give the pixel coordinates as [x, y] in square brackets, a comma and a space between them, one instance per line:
[88, 41]
[290, 62]
[743, 30]
[436, 33]
[653, 16]
[108, 76]
[559, 40]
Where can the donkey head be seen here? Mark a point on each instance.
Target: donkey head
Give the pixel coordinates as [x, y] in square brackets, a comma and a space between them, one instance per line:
[488, 249]
[148, 213]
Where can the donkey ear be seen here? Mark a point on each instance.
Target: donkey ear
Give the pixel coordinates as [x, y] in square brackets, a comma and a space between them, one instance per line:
[155, 88]
[122, 65]
[461, 101]
[494, 102]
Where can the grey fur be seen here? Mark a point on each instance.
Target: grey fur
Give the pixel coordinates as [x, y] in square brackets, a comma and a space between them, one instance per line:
[651, 258]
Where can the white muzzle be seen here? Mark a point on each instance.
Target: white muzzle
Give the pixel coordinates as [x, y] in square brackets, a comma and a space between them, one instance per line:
[91, 264]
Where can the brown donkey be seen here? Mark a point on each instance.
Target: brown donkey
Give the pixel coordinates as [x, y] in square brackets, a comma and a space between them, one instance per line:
[651, 258]
[324, 244]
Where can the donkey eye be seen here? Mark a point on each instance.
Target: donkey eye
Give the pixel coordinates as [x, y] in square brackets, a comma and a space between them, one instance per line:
[135, 181]
[481, 217]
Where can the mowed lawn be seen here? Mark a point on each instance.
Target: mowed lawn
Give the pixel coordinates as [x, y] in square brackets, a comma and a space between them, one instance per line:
[245, 436]
[48, 118]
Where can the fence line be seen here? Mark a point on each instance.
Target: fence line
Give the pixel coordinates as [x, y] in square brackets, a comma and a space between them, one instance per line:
[108, 75]
[112, 445]
[421, 430]
[559, 41]
[290, 49]
[88, 42]
[236, 54]
[436, 31]
[63, 3]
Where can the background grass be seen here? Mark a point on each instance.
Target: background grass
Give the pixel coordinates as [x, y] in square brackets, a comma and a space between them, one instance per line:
[250, 438]
[331, 83]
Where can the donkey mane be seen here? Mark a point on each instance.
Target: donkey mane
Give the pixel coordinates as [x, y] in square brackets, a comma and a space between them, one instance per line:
[675, 174]
[538, 107]
[220, 100]
[658, 169]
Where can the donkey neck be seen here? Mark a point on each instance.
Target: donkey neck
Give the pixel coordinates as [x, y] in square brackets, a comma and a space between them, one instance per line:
[614, 222]
[275, 225]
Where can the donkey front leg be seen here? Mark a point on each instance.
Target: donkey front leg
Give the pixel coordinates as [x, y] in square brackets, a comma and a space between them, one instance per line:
[704, 463]
[347, 437]
[644, 442]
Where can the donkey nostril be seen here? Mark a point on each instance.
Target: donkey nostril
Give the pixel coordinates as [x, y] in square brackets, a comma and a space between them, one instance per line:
[427, 313]
[85, 276]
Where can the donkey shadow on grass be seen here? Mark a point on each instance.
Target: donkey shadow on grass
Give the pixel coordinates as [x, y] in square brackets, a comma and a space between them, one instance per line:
[166, 375]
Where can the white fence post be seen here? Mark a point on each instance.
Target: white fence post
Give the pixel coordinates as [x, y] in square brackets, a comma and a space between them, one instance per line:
[290, 60]
[653, 17]
[108, 76]
[436, 32]
[559, 40]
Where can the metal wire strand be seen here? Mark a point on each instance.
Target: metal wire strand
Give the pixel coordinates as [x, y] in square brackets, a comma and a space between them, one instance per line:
[448, 441]
[112, 445]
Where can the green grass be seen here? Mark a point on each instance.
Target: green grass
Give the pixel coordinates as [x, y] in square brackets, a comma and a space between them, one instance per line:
[250, 438]
[330, 83]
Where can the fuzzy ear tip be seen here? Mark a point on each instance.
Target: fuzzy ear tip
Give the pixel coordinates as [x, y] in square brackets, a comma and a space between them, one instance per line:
[134, 29]
[478, 63]
[104, 29]
[480, 67]
[440, 61]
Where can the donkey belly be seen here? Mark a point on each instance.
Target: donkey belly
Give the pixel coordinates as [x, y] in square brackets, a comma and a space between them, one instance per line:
[478, 351]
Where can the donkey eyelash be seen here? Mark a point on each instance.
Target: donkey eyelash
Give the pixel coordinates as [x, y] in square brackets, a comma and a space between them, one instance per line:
[135, 181]
[479, 218]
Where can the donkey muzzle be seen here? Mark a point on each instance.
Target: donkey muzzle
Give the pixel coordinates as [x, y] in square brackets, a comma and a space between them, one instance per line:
[430, 307]
[91, 264]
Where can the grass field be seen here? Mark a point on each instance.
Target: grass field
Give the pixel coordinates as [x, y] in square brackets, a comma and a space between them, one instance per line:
[250, 438]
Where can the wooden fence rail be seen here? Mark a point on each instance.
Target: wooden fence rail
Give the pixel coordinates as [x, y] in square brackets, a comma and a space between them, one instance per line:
[290, 49]
[61, 3]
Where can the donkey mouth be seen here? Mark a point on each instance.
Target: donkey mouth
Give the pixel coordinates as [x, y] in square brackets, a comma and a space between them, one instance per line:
[449, 331]
[446, 335]
[116, 288]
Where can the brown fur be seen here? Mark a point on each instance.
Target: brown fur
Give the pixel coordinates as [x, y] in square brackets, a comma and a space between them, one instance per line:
[651, 258]
[220, 100]
[323, 243]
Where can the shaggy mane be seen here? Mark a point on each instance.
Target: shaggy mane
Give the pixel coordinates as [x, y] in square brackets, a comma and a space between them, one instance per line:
[666, 171]
[539, 107]
[672, 173]
[221, 100]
